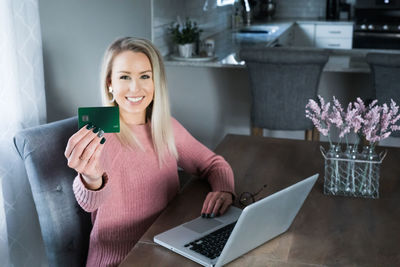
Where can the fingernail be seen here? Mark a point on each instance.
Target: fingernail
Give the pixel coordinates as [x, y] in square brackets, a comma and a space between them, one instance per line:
[89, 126]
[203, 215]
[100, 133]
[103, 140]
[212, 215]
[95, 129]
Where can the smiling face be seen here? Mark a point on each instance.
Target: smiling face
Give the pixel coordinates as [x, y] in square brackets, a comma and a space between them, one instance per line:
[133, 86]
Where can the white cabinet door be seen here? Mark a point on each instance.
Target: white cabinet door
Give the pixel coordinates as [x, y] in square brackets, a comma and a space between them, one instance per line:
[334, 36]
[304, 34]
[334, 31]
[334, 43]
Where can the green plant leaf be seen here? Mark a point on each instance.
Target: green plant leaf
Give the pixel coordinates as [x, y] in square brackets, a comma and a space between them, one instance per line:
[189, 32]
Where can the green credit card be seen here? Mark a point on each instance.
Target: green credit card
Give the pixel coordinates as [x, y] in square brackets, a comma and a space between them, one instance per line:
[106, 118]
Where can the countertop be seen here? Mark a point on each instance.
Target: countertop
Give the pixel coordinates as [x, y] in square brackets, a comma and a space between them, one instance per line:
[229, 42]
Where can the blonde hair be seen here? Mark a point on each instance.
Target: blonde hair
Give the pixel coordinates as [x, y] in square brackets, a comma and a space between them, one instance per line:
[158, 111]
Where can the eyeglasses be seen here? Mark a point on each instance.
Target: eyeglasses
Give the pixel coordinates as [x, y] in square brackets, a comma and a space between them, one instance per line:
[247, 198]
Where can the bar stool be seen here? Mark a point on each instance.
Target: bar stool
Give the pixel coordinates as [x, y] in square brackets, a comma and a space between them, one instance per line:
[282, 80]
[386, 78]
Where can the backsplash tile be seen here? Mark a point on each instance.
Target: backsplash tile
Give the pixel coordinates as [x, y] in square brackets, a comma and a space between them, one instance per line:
[308, 9]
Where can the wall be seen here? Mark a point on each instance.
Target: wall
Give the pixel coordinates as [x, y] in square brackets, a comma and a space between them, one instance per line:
[75, 35]
[209, 17]
[311, 9]
[210, 102]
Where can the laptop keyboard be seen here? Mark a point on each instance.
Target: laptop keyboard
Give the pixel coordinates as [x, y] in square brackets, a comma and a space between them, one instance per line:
[212, 244]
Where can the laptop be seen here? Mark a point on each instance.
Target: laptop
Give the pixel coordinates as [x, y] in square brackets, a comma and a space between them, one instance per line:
[237, 231]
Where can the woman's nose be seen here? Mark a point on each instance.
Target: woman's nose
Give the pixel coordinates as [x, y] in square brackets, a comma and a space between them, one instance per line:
[133, 86]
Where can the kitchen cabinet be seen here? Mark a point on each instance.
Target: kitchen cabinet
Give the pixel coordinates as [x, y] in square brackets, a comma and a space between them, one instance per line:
[334, 36]
[324, 35]
[334, 43]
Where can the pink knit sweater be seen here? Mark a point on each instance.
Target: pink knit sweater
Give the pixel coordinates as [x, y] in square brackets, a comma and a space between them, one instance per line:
[136, 190]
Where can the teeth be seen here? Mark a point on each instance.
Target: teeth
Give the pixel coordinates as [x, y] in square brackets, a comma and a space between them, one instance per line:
[135, 99]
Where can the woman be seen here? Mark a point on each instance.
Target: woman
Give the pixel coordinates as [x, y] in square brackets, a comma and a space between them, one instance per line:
[126, 181]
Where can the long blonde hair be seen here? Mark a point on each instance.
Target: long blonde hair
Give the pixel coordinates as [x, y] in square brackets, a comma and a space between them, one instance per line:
[158, 112]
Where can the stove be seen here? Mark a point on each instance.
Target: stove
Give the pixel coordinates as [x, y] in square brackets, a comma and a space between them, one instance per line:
[377, 24]
[377, 27]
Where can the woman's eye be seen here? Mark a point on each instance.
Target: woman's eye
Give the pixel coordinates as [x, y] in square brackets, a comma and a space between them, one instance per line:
[124, 77]
[145, 76]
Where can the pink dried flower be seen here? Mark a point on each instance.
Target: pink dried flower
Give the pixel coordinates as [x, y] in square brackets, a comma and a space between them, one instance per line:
[353, 116]
[374, 122]
[347, 125]
[318, 115]
[373, 103]
[394, 109]
[336, 116]
[385, 118]
[313, 106]
[357, 122]
[395, 128]
[380, 121]
[325, 108]
[359, 105]
[371, 120]
[337, 104]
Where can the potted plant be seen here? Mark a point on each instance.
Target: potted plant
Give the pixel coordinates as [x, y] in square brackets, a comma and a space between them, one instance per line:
[185, 35]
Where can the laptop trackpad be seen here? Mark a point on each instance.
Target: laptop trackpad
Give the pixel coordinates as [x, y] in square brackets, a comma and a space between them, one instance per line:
[201, 225]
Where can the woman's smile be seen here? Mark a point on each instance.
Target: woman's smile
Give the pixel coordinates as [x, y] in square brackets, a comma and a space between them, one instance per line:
[135, 100]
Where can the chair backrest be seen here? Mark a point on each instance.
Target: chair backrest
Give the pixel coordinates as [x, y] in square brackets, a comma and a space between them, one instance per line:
[282, 81]
[386, 77]
[65, 227]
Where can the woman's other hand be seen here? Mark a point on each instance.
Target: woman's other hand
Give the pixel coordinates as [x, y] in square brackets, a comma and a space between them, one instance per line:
[83, 153]
[216, 204]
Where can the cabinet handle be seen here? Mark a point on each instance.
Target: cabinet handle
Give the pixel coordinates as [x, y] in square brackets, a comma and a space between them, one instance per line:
[334, 45]
[335, 32]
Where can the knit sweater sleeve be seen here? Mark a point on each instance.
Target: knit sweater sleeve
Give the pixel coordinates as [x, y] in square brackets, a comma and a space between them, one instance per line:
[90, 200]
[195, 158]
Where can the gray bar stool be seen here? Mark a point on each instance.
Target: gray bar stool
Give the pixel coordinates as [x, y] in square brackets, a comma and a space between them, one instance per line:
[282, 80]
[386, 78]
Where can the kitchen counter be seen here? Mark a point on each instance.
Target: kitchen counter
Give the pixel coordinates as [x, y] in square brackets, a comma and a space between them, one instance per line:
[313, 21]
[229, 42]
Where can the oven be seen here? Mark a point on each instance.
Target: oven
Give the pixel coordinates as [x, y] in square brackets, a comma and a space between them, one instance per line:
[377, 24]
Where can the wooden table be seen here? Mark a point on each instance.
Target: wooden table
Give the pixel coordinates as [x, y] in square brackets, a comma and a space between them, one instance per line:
[328, 231]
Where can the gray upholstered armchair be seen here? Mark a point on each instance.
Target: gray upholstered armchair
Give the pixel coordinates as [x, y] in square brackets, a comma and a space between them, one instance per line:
[65, 227]
[386, 78]
[282, 80]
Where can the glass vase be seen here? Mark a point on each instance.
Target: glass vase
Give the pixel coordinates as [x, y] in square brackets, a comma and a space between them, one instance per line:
[369, 184]
[351, 173]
